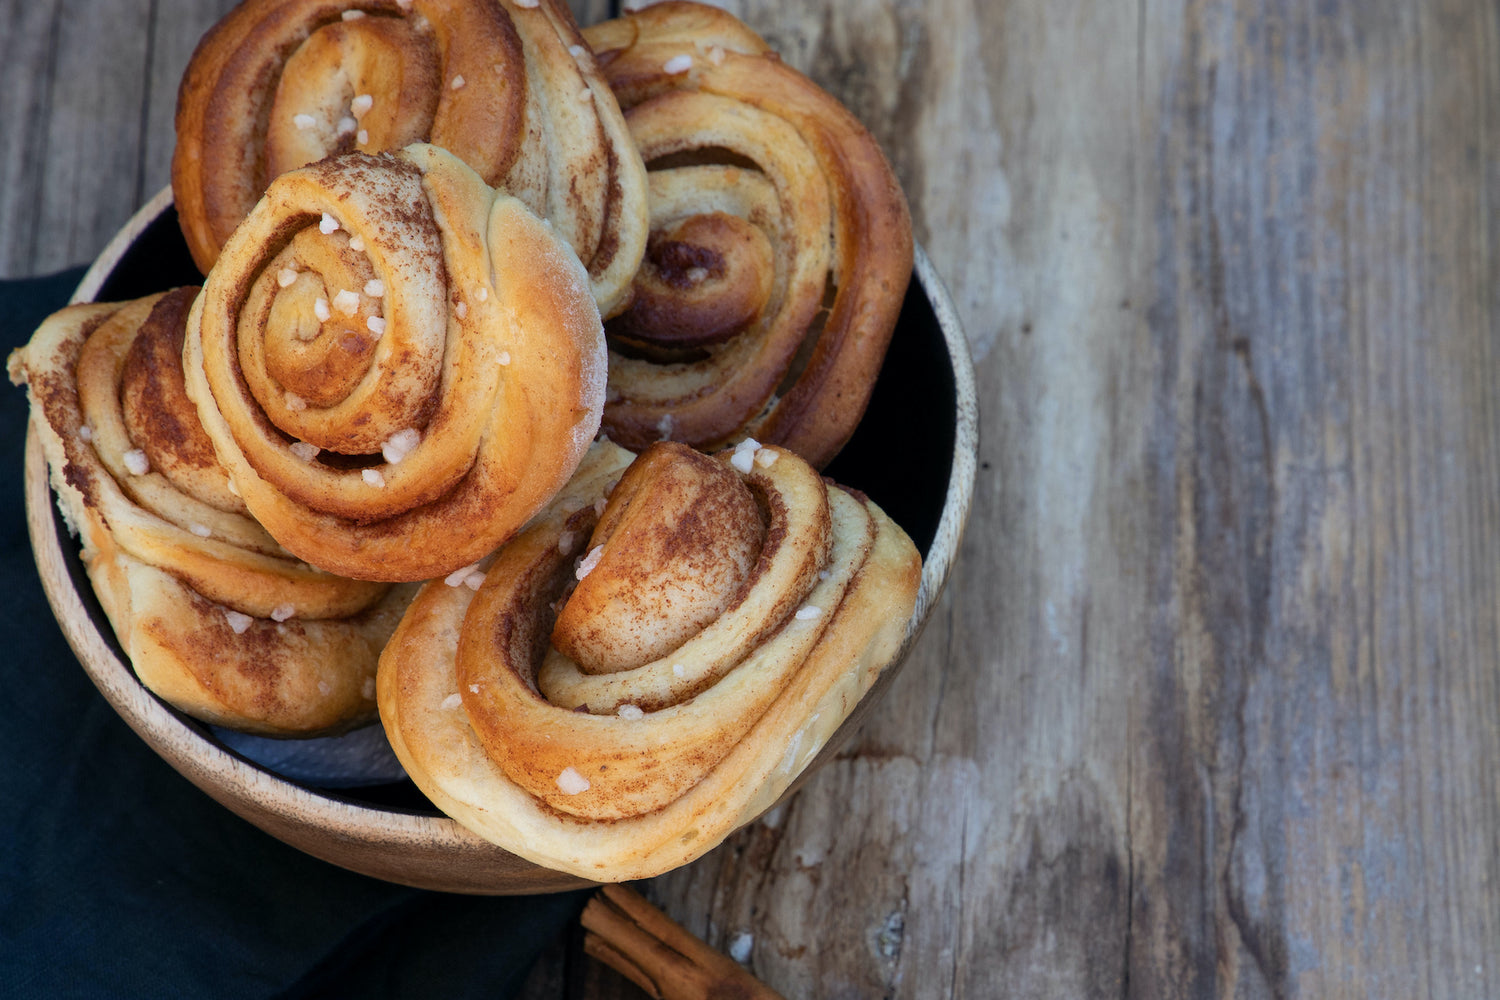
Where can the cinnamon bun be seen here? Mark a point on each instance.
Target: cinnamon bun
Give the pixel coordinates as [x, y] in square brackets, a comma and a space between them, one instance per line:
[215, 617]
[780, 246]
[398, 364]
[510, 88]
[653, 662]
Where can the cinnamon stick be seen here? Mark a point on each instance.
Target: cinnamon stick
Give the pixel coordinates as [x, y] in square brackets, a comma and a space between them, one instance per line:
[657, 954]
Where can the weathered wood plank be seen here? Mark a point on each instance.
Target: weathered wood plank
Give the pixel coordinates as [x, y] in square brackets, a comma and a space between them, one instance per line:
[1320, 416]
[82, 126]
[1215, 689]
[26, 52]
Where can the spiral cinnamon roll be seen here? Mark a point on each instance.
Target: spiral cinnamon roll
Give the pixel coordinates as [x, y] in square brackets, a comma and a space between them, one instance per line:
[780, 246]
[509, 87]
[653, 662]
[398, 364]
[216, 618]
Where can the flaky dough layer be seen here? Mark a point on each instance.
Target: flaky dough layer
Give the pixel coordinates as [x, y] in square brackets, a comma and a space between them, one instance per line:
[398, 364]
[216, 618]
[624, 774]
[509, 88]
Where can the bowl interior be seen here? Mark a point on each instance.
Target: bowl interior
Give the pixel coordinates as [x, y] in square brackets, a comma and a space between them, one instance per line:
[912, 454]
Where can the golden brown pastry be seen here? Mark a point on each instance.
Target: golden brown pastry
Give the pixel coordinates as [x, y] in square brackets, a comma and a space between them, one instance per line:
[780, 245]
[397, 364]
[651, 664]
[508, 86]
[216, 618]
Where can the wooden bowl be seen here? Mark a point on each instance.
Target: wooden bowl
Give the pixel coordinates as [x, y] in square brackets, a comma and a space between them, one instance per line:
[914, 454]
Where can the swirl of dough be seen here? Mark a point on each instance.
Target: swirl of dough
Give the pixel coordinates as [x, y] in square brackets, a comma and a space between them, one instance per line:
[398, 364]
[617, 706]
[510, 88]
[780, 246]
[216, 618]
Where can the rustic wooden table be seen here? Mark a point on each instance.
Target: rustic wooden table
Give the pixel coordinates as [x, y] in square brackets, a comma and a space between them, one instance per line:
[1211, 706]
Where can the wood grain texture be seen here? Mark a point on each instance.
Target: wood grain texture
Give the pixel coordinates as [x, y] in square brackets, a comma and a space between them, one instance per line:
[1211, 704]
[1210, 707]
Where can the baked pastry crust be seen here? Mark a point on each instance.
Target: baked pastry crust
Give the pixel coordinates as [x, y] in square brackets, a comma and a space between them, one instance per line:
[620, 774]
[780, 247]
[215, 617]
[398, 364]
[510, 89]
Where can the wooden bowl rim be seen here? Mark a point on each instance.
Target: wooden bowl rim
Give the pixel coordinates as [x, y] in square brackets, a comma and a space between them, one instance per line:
[322, 824]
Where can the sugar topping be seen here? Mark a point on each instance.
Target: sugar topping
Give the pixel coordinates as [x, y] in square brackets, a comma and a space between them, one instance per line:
[577, 51]
[356, 244]
[571, 782]
[678, 670]
[376, 325]
[457, 577]
[304, 450]
[808, 612]
[352, 15]
[589, 562]
[458, 82]
[347, 125]
[400, 445]
[677, 64]
[201, 530]
[373, 477]
[362, 137]
[136, 462]
[473, 688]
[294, 402]
[664, 427]
[716, 54]
[452, 701]
[374, 288]
[474, 580]
[286, 277]
[304, 122]
[630, 712]
[503, 358]
[346, 302]
[744, 455]
[282, 612]
[528, 4]
[321, 310]
[324, 688]
[481, 293]
[328, 224]
[766, 457]
[461, 310]
[85, 433]
[361, 105]
[566, 541]
[599, 506]
[237, 621]
[697, 274]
